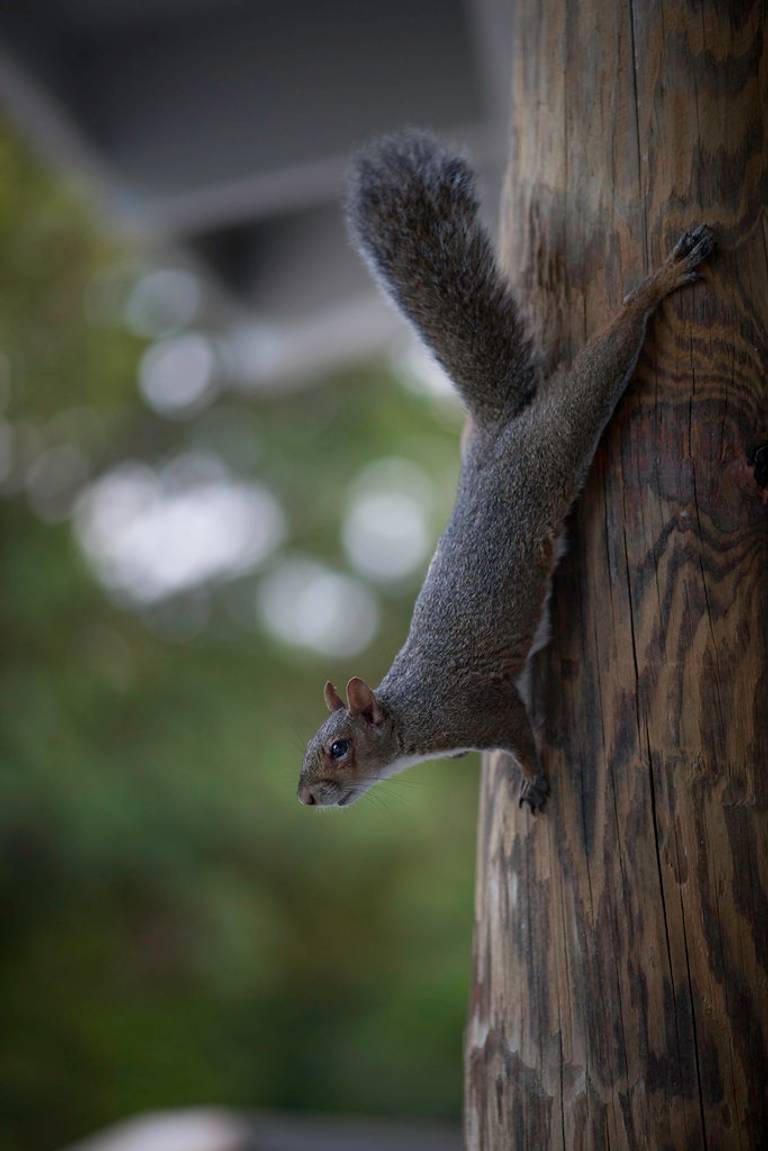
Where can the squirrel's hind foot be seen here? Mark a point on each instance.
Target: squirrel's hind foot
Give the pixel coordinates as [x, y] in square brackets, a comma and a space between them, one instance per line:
[679, 268]
[535, 792]
[692, 249]
[698, 243]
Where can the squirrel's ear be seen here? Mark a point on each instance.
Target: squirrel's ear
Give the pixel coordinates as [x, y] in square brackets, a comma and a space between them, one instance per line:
[361, 700]
[333, 700]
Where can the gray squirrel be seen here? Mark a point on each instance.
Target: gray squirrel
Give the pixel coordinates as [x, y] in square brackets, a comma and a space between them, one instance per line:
[459, 682]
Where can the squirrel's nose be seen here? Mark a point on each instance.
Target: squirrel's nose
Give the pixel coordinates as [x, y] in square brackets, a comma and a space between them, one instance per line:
[305, 794]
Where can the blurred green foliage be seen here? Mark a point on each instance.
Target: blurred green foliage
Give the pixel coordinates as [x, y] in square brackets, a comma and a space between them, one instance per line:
[176, 930]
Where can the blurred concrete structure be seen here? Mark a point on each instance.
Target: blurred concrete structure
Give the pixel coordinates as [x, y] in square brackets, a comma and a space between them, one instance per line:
[221, 128]
[214, 1130]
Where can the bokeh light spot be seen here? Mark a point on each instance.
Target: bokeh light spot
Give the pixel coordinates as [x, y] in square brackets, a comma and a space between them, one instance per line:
[177, 376]
[162, 301]
[303, 603]
[150, 534]
[386, 532]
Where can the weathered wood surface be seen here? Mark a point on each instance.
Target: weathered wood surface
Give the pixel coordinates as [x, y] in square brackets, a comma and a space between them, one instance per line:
[620, 993]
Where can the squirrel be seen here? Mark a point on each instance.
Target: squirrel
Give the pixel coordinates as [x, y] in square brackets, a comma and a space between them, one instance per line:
[459, 683]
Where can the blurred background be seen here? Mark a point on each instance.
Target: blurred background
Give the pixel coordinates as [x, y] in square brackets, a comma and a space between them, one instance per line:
[223, 467]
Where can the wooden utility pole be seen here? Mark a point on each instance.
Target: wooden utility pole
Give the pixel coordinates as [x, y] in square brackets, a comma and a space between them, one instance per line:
[620, 994]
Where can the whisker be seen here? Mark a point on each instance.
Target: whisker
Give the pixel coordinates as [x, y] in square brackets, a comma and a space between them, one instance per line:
[378, 800]
[297, 740]
[396, 795]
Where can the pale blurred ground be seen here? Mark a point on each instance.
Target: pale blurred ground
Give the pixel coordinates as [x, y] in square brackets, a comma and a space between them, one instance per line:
[220, 1131]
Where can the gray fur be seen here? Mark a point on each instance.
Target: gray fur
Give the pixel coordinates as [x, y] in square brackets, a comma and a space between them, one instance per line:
[412, 212]
[456, 683]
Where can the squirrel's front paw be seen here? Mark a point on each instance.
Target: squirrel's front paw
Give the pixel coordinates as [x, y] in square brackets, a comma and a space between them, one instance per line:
[534, 792]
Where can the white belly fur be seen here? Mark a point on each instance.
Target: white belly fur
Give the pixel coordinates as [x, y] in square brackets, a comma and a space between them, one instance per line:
[407, 761]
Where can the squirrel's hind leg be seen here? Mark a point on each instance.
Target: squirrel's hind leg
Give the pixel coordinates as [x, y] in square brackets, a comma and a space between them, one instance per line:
[569, 417]
[679, 268]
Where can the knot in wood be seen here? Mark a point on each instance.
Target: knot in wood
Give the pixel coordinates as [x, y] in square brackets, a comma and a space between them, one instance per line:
[758, 461]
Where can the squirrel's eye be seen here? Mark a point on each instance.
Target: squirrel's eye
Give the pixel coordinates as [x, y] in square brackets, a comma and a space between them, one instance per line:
[339, 748]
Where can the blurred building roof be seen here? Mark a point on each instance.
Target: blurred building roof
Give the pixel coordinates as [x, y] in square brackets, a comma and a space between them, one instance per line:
[222, 128]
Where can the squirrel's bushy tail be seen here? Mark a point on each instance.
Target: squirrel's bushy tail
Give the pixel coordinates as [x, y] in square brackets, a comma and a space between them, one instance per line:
[412, 211]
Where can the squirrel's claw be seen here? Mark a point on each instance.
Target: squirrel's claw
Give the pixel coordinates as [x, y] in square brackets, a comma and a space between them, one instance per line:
[691, 250]
[697, 243]
[535, 792]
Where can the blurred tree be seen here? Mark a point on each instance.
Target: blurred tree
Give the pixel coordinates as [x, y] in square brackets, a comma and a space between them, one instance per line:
[175, 929]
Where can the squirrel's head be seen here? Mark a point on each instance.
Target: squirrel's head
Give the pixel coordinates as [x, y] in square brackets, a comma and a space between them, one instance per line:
[352, 749]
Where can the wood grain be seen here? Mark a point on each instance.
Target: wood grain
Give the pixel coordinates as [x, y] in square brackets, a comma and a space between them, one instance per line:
[620, 995]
